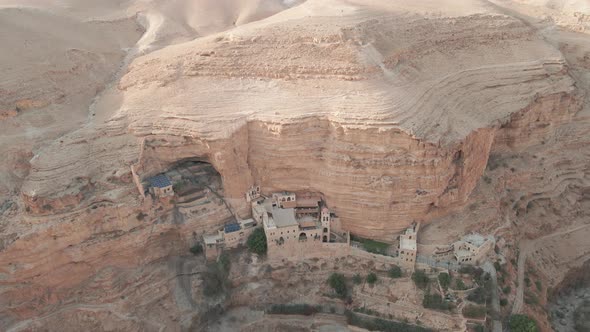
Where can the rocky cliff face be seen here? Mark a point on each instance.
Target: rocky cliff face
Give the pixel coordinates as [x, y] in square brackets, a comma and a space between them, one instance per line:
[391, 122]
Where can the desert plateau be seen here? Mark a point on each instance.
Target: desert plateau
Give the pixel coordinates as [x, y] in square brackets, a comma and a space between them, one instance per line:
[295, 165]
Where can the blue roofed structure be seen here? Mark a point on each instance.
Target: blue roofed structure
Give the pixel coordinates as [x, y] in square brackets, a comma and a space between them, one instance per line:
[160, 181]
[160, 186]
[229, 228]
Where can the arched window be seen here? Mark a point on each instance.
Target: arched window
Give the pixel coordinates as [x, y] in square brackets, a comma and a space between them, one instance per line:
[302, 237]
[325, 239]
[325, 229]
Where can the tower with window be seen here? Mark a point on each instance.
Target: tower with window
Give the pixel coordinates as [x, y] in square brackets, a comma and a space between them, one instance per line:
[325, 219]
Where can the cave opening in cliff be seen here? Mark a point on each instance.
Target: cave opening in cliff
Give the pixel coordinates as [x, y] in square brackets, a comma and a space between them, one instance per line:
[192, 178]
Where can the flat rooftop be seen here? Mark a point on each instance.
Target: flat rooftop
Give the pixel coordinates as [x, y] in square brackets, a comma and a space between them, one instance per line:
[407, 244]
[308, 202]
[284, 217]
[211, 239]
[476, 239]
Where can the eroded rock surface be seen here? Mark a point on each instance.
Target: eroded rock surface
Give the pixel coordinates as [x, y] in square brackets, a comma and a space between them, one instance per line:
[393, 111]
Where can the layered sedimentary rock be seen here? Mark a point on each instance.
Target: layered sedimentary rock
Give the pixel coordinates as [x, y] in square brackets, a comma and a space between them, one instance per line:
[375, 114]
[390, 110]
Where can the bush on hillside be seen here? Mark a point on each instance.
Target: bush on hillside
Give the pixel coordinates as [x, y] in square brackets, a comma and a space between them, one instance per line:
[257, 242]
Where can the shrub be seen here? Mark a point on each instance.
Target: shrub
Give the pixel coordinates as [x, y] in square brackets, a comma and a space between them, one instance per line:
[338, 282]
[503, 302]
[378, 324]
[435, 301]
[530, 298]
[445, 280]
[474, 311]
[420, 279]
[215, 277]
[373, 246]
[357, 279]
[506, 290]
[498, 266]
[479, 295]
[197, 249]
[371, 278]
[395, 272]
[475, 272]
[257, 242]
[527, 281]
[522, 323]
[293, 309]
[460, 285]
[582, 316]
[141, 216]
[538, 285]
[224, 263]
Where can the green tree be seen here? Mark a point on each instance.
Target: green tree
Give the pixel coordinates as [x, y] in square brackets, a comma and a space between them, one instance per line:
[371, 278]
[445, 280]
[395, 272]
[460, 285]
[197, 249]
[357, 279]
[522, 323]
[257, 242]
[338, 282]
[215, 280]
[420, 279]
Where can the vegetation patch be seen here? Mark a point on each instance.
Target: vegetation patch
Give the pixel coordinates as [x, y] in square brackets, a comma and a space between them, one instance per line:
[357, 279]
[378, 324]
[445, 280]
[420, 279]
[522, 323]
[215, 278]
[582, 316]
[373, 246]
[371, 278]
[480, 295]
[474, 311]
[293, 309]
[395, 272]
[257, 242]
[435, 301]
[338, 283]
[197, 249]
[460, 285]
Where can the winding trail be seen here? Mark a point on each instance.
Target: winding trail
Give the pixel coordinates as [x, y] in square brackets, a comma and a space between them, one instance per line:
[525, 248]
[496, 323]
[88, 307]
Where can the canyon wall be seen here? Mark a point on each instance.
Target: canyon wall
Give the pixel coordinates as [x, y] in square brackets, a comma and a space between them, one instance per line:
[377, 180]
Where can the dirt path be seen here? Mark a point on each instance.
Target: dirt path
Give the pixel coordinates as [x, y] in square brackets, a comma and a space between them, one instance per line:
[88, 307]
[525, 248]
[496, 323]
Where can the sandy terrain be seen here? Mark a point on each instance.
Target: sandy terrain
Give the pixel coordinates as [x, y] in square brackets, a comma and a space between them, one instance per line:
[466, 115]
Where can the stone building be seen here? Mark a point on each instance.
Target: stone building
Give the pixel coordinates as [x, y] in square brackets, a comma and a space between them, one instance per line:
[407, 248]
[284, 200]
[252, 193]
[470, 249]
[230, 236]
[295, 226]
[160, 186]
